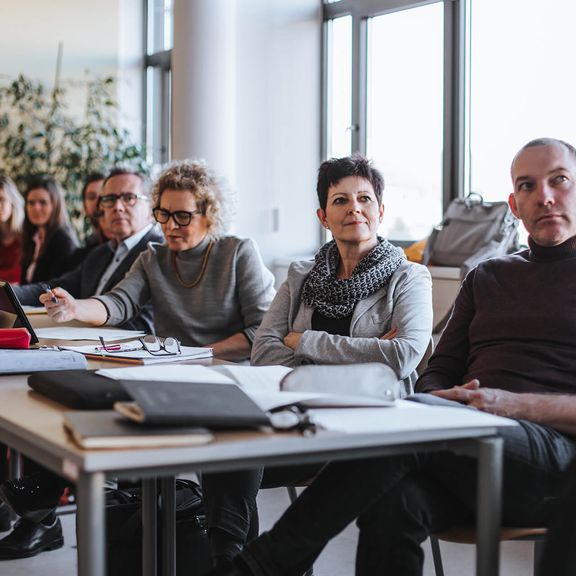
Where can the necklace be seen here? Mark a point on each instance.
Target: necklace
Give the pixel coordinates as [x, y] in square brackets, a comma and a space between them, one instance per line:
[202, 269]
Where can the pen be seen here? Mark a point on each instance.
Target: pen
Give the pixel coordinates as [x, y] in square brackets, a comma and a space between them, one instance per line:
[48, 290]
[118, 348]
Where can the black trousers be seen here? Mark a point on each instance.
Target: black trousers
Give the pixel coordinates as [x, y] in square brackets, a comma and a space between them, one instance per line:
[399, 500]
[230, 504]
[559, 558]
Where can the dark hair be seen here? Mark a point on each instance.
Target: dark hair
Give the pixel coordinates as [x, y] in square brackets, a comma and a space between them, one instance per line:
[58, 218]
[545, 142]
[129, 171]
[92, 177]
[332, 171]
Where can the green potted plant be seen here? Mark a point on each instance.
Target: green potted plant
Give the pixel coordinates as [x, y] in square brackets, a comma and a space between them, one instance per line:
[39, 135]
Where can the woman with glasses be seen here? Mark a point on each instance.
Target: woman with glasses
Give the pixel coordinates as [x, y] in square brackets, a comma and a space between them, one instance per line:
[359, 301]
[48, 240]
[11, 217]
[206, 288]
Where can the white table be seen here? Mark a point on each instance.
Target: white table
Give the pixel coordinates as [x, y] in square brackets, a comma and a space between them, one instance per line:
[32, 425]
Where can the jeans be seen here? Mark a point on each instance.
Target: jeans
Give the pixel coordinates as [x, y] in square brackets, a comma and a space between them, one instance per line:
[230, 504]
[399, 500]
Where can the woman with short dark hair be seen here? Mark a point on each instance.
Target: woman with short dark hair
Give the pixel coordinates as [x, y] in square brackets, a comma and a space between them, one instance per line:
[358, 301]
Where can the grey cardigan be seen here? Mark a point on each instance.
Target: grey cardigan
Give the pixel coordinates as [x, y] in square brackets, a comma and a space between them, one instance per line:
[233, 295]
[405, 303]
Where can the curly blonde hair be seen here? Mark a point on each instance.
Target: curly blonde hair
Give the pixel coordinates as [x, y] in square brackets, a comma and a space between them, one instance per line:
[212, 195]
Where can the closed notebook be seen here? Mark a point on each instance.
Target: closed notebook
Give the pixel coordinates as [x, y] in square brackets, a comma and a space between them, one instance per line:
[79, 389]
[193, 404]
[108, 429]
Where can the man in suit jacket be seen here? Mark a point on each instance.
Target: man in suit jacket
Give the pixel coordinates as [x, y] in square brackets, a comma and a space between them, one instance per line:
[127, 218]
[127, 221]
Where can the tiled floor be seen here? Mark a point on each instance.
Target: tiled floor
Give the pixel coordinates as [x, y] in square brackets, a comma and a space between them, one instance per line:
[337, 559]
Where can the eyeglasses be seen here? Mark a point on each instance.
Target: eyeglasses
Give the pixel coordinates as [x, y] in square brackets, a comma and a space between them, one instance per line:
[180, 217]
[153, 345]
[127, 198]
[161, 347]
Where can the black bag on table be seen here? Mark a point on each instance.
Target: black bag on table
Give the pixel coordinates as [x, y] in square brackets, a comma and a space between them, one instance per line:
[472, 231]
[124, 531]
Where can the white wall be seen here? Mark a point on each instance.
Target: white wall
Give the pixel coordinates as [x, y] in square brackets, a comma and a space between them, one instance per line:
[276, 132]
[278, 48]
[103, 38]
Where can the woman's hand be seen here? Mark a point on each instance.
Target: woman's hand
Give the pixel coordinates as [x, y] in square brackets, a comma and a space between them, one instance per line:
[390, 334]
[292, 339]
[64, 309]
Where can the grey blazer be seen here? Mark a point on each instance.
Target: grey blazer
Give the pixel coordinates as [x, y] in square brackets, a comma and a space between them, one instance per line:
[405, 304]
[83, 280]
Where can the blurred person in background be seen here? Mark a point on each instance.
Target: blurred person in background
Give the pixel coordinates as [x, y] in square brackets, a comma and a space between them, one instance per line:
[48, 240]
[11, 218]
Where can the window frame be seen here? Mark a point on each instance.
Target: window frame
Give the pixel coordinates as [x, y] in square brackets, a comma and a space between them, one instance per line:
[162, 62]
[455, 162]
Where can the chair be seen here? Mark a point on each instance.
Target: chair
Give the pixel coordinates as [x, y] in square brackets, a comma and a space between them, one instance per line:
[467, 535]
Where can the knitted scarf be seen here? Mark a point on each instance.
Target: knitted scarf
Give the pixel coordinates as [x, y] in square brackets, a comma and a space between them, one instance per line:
[336, 298]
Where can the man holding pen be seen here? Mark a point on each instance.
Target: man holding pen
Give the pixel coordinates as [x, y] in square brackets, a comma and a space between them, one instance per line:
[127, 222]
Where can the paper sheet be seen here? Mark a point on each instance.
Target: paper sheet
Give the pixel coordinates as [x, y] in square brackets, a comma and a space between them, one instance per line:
[264, 378]
[141, 356]
[173, 373]
[401, 418]
[34, 310]
[85, 333]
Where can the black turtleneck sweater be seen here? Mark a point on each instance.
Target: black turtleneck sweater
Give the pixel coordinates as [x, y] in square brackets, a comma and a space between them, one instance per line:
[513, 325]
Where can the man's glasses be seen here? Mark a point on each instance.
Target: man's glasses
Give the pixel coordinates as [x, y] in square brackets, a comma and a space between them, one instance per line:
[153, 345]
[127, 198]
[180, 217]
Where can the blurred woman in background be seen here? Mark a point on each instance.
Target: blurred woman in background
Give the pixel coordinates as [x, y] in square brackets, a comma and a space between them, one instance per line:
[48, 241]
[11, 217]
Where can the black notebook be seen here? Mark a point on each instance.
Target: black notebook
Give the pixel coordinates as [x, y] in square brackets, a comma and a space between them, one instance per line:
[81, 389]
[191, 404]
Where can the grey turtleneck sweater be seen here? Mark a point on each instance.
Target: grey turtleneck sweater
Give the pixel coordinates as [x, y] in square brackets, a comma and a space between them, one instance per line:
[232, 296]
[513, 325]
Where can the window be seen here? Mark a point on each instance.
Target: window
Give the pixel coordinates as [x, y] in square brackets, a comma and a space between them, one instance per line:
[159, 35]
[339, 87]
[385, 87]
[521, 86]
[445, 92]
[158, 80]
[404, 116]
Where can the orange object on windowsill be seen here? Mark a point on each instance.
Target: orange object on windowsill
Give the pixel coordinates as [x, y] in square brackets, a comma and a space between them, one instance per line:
[415, 251]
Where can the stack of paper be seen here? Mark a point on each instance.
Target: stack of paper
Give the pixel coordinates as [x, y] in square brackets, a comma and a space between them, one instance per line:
[141, 356]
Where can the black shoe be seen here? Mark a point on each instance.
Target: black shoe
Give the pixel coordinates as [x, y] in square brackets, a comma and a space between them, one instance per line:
[5, 517]
[30, 538]
[32, 497]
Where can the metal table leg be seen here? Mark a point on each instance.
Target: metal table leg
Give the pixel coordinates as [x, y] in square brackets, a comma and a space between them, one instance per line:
[168, 490]
[489, 503]
[91, 527]
[149, 527]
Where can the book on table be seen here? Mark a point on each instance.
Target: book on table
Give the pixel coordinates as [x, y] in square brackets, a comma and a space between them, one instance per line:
[108, 429]
[261, 383]
[192, 404]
